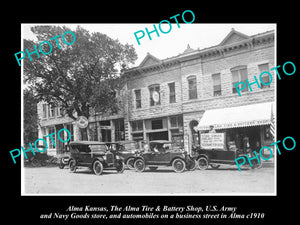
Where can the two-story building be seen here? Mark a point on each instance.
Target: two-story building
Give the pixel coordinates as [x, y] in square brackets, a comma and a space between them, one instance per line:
[174, 98]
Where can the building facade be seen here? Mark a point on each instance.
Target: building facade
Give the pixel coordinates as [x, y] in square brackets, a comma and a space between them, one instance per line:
[166, 99]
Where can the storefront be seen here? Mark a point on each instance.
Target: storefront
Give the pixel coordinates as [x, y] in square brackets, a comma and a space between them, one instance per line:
[248, 126]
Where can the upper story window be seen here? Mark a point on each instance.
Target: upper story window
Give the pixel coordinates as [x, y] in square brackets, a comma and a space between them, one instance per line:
[45, 110]
[239, 74]
[172, 94]
[265, 77]
[154, 94]
[192, 82]
[51, 111]
[216, 78]
[137, 125]
[138, 99]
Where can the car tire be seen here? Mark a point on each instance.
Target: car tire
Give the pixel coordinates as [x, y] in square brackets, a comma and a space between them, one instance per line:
[129, 163]
[97, 167]
[61, 165]
[178, 165]
[72, 166]
[139, 165]
[191, 165]
[120, 166]
[202, 163]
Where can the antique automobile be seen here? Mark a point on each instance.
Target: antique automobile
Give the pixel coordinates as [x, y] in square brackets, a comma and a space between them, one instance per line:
[64, 157]
[162, 153]
[127, 150]
[95, 155]
[214, 151]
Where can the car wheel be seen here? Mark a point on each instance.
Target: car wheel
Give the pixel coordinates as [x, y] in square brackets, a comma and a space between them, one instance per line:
[178, 165]
[61, 165]
[139, 165]
[72, 165]
[153, 168]
[191, 165]
[129, 163]
[120, 166]
[202, 163]
[97, 167]
[215, 166]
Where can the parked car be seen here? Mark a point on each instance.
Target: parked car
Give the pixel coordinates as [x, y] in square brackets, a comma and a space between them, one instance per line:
[127, 149]
[95, 155]
[215, 157]
[162, 153]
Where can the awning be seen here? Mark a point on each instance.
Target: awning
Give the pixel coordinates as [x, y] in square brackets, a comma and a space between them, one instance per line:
[240, 116]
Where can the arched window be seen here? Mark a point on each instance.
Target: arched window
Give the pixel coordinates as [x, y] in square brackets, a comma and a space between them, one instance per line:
[154, 90]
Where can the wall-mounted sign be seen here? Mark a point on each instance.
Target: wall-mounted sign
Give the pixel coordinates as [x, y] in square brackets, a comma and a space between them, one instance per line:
[212, 140]
[155, 96]
[82, 122]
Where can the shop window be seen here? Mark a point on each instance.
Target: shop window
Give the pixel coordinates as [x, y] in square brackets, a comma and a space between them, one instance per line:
[70, 128]
[93, 132]
[138, 99]
[119, 130]
[172, 94]
[154, 94]
[239, 74]
[137, 125]
[216, 78]
[157, 124]
[138, 137]
[49, 141]
[192, 87]
[265, 77]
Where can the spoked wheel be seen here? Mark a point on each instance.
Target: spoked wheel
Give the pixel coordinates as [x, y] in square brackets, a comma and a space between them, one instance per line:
[139, 165]
[202, 163]
[191, 165]
[97, 167]
[178, 165]
[129, 163]
[72, 166]
[120, 167]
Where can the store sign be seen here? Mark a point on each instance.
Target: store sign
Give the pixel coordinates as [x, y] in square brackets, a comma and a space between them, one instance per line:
[82, 122]
[212, 140]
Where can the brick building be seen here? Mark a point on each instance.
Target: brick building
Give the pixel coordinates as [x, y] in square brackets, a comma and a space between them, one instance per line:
[166, 99]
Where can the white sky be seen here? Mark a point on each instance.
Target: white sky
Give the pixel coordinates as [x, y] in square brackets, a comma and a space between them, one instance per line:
[167, 45]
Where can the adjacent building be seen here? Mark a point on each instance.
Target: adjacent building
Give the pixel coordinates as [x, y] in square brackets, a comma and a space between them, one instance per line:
[174, 98]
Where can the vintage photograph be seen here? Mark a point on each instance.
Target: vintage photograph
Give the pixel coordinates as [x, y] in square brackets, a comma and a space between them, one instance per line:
[191, 111]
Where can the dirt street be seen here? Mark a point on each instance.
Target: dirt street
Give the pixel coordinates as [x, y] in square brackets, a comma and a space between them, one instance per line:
[225, 180]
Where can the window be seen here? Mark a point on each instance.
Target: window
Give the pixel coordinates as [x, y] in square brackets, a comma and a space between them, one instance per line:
[138, 99]
[70, 128]
[45, 109]
[172, 96]
[93, 131]
[154, 95]
[51, 111]
[119, 130]
[239, 74]
[176, 121]
[156, 124]
[265, 77]
[49, 141]
[216, 84]
[137, 125]
[192, 87]
[59, 110]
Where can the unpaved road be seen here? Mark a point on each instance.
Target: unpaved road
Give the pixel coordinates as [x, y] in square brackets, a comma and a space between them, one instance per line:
[225, 180]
